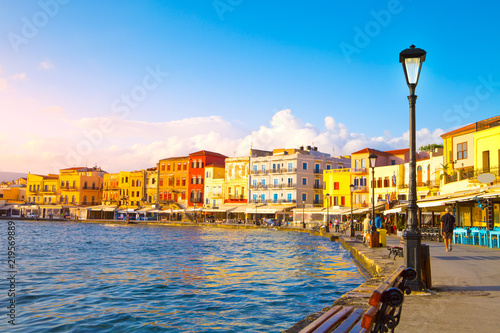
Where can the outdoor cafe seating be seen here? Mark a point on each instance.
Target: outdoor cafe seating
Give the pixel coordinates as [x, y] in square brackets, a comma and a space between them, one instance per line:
[477, 236]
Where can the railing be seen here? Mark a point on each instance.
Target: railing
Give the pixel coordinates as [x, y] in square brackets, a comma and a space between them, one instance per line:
[258, 187]
[289, 185]
[462, 174]
[275, 171]
[289, 170]
[358, 170]
[318, 187]
[318, 170]
[361, 188]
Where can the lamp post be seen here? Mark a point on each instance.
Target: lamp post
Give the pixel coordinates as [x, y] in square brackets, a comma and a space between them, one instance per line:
[353, 234]
[303, 214]
[327, 211]
[412, 60]
[373, 161]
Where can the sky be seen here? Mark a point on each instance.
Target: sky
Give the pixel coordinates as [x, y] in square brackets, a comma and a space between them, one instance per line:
[122, 84]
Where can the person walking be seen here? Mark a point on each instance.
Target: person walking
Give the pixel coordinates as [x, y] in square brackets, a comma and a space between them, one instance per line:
[378, 222]
[337, 225]
[366, 226]
[447, 226]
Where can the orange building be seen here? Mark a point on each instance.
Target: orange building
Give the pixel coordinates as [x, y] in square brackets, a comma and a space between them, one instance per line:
[173, 176]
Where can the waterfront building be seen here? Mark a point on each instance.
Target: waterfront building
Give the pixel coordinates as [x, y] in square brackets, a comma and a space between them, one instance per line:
[152, 185]
[12, 194]
[42, 189]
[289, 177]
[111, 189]
[214, 186]
[172, 185]
[337, 186]
[197, 163]
[132, 189]
[80, 186]
[236, 184]
[470, 151]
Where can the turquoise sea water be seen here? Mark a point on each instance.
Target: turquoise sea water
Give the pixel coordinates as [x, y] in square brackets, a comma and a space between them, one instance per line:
[77, 277]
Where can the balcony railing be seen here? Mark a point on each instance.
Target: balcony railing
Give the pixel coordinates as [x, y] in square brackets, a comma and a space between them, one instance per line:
[318, 187]
[258, 187]
[359, 188]
[289, 170]
[318, 171]
[358, 170]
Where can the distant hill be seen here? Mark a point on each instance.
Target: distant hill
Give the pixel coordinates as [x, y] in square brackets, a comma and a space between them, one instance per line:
[10, 176]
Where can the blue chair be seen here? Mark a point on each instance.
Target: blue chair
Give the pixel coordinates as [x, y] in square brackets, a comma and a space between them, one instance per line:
[483, 237]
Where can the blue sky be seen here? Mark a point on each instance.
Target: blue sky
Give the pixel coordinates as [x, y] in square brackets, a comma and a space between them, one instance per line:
[230, 74]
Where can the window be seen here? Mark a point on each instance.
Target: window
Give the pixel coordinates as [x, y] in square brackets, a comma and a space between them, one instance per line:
[462, 151]
[170, 181]
[178, 165]
[255, 182]
[304, 181]
[304, 166]
[335, 201]
[161, 182]
[386, 182]
[133, 183]
[184, 166]
[276, 181]
[379, 182]
[393, 162]
[290, 166]
[162, 167]
[183, 181]
[304, 196]
[316, 168]
[342, 201]
[336, 185]
[328, 167]
[263, 181]
[255, 167]
[168, 167]
[263, 196]
[275, 197]
[363, 163]
[289, 197]
[177, 182]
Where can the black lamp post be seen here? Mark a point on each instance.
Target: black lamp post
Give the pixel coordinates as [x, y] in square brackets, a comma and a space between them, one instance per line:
[303, 214]
[327, 211]
[373, 161]
[412, 60]
[353, 234]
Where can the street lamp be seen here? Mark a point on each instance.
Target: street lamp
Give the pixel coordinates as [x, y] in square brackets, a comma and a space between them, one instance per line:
[353, 234]
[373, 161]
[303, 214]
[327, 211]
[412, 60]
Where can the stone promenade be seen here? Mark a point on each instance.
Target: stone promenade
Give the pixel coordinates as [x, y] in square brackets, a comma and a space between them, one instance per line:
[465, 290]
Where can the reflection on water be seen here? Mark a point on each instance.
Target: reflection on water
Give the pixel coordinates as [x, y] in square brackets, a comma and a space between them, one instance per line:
[108, 278]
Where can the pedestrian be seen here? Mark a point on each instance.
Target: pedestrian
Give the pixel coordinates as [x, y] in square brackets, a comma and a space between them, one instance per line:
[366, 226]
[447, 225]
[330, 224]
[337, 225]
[378, 222]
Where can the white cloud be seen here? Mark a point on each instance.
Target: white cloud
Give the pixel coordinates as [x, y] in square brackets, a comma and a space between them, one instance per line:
[54, 142]
[19, 77]
[46, 64]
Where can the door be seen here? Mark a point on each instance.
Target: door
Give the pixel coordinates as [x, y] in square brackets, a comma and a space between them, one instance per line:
[486, 161]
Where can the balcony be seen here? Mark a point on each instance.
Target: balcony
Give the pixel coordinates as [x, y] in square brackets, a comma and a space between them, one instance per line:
[360, 188]
[318, 171]
[289, 170]
[318, 187]
[258, 187]
[359, 170]
[275, 171]
[289, 186]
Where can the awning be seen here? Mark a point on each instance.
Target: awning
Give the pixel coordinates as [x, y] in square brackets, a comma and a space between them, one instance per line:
[460, 199]
[435, 203]
[425, 192]
[104, 208]
[244, 208]
[221, 209]
[394, 210]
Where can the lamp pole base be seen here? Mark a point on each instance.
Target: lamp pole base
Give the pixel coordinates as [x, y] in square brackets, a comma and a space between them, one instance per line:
[413, 258]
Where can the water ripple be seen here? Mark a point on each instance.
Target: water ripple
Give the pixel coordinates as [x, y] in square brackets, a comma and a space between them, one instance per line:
[75, 277]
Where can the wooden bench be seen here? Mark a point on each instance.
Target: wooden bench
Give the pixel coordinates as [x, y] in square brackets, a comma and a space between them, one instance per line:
[383, 315]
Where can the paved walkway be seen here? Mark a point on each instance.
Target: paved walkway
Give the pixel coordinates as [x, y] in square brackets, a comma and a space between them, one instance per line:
[466, 285]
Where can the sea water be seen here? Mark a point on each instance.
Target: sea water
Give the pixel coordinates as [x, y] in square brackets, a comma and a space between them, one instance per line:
[82, 277]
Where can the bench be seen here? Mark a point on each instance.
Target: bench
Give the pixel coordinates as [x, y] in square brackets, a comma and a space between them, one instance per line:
[383, 315]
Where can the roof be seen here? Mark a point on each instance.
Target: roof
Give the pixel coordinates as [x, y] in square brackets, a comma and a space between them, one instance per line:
[369, 151]
[398, 151]
[464, 129]
[175, 158]
[206, 152]
[474, 127]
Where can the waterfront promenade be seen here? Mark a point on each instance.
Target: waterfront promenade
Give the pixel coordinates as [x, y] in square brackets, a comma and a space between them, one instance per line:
[465, 288]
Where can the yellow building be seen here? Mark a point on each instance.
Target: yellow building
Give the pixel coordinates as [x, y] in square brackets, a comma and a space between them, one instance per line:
[41, 189]
[468, 152]
[214, 184]
[132, 185]
[337, 186]
[81, 186]
[152, 185]
[13, 194]
[236, 179]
